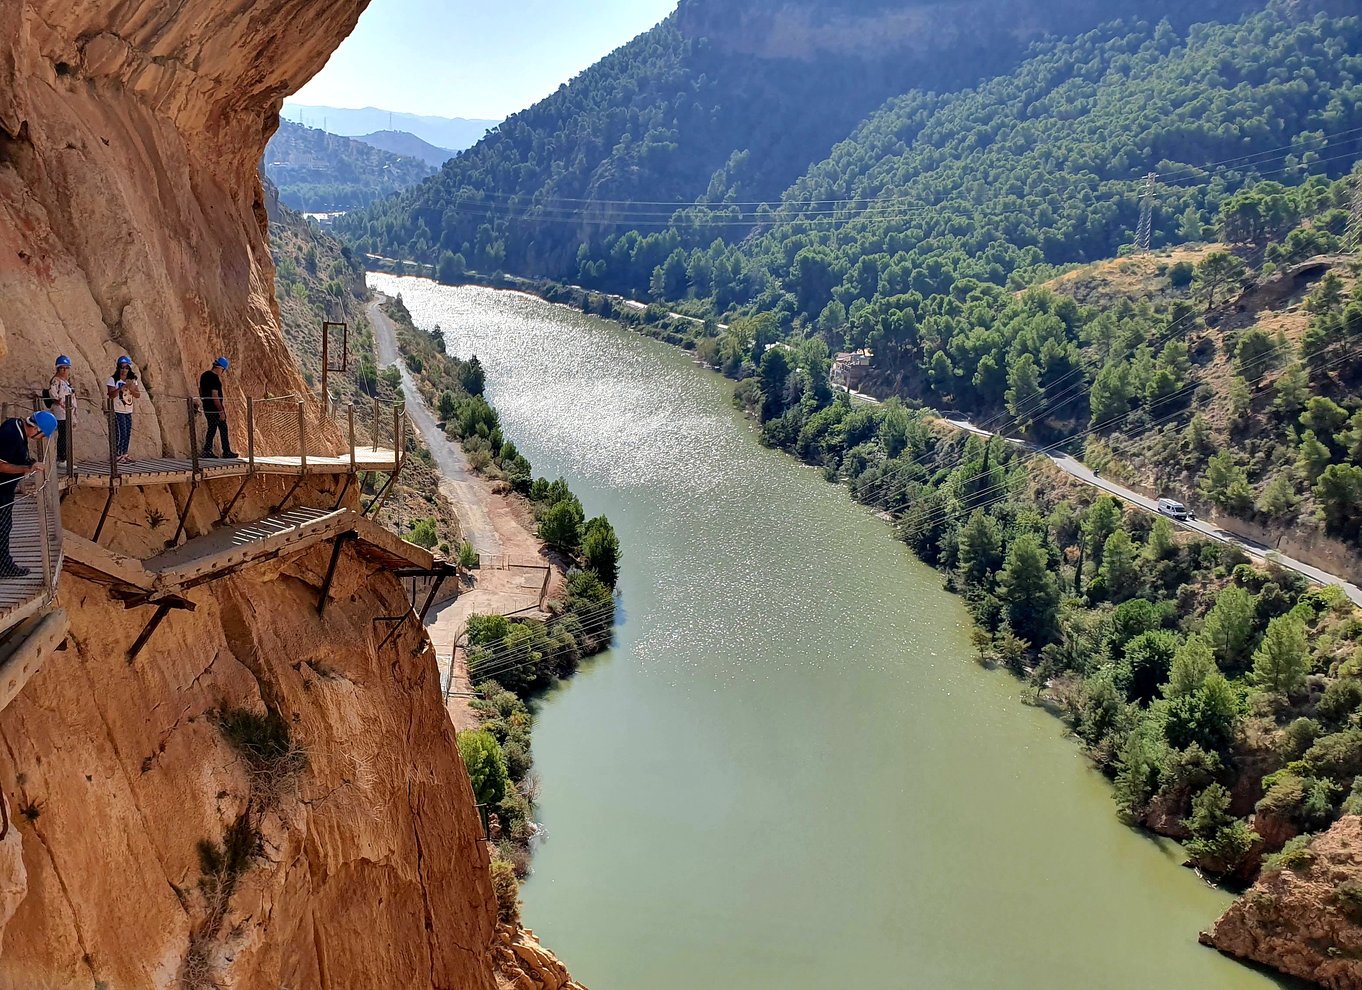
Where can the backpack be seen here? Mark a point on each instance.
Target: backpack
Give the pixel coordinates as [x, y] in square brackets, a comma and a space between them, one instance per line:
[48, 401]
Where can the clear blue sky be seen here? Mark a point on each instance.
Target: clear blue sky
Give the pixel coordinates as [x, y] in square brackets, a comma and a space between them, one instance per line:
[472, 58]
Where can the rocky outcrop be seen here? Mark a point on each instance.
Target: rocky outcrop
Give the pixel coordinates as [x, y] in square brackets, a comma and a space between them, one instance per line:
[527, 965]
[1305, 921]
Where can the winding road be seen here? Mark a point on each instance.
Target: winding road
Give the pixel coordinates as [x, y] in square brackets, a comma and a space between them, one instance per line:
[1081, 472]
[458, 483]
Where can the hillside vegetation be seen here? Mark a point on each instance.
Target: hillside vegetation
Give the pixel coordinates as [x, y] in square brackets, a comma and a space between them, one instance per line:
[319, 172]
[318, 279]
[720, 104]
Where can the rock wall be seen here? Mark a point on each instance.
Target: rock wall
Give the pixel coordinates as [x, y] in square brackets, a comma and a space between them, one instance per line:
[363, 865]
[131, 211]
[1305, 921]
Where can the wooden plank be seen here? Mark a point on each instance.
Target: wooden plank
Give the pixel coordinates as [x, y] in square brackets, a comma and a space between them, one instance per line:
[25, 650]
[90, 561]
[232, 547]
[387, 547]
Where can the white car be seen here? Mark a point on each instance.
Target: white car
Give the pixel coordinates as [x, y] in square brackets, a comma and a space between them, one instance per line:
[1173, 508]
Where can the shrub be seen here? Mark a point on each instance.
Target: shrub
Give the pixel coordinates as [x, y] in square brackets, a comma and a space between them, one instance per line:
[1338, 756]
[1295, 855]
[517, 758]
[1341, 699]
[486, 768]
[468, 555]
[273, 759]
[423, 533]
[506, 889]
[1349, 897]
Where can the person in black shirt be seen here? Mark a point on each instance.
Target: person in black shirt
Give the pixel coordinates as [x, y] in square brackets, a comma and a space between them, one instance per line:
[16, 463]
[214, 408]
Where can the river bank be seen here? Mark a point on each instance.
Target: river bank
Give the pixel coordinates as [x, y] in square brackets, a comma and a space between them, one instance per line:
[536, 588]
[791, 704]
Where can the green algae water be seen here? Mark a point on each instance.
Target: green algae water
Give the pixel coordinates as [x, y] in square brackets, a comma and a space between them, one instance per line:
[789, 772]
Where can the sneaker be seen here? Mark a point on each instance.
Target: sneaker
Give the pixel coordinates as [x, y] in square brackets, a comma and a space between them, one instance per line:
[207, 454]
[13, 570]
[230, 455]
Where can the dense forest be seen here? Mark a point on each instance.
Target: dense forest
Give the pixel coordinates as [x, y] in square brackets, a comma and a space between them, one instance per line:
[719, 106]
[317, 172]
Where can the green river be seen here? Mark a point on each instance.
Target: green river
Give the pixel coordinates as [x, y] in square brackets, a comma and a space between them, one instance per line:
[789, 772]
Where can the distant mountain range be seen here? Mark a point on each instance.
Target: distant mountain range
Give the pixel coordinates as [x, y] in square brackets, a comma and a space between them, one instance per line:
[408, 145]
[455, 133]
[325, 173]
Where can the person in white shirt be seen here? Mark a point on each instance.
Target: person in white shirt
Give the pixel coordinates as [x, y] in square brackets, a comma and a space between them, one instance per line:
[123, 391]
[58, 390]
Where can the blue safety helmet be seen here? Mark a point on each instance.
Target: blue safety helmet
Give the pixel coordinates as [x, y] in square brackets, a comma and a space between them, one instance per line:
[124, 360]
[63, 361]
[46, 422]
[222, 363]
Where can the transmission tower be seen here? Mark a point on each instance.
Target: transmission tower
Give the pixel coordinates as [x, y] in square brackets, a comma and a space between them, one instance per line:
[1144, 234]
[1353, 237]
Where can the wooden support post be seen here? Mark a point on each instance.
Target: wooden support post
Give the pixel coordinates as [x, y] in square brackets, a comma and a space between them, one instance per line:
[113, 471]
[377, 421]
[350, 421]
[302, 435]
[250, 436]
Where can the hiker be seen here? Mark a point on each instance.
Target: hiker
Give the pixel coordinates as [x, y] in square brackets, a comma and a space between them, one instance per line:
[59, 389]
[123, 390]
[215, 409]
[15, 463]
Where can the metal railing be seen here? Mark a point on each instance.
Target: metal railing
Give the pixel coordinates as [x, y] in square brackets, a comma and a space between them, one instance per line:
[30, 542]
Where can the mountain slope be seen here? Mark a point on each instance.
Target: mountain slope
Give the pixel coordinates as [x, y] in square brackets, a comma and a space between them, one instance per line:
[408, 146]
[321, 172]
[442, 132]
[720, 102]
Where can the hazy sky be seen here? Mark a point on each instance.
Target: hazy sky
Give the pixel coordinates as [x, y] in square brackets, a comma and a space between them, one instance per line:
[471, 58]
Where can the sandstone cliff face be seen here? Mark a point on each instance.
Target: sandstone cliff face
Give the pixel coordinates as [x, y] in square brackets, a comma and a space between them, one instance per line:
[131, 211]
[1306, 921]
[366, 867]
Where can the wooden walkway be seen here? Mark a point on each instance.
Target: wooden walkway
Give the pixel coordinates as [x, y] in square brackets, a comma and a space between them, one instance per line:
[175, 470]
[230, 548]
[24, 596]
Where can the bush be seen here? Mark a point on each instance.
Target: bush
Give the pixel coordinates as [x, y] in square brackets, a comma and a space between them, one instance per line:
[273, 759]
[601, 550]
[486, 768]
[1341, 699]
[506, 889]
[1295, 855]
[423, 533]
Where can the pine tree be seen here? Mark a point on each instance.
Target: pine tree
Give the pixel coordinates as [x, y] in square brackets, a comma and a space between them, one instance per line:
[1118, 567]
[1160, 542]
[980, 550]
[1229, 626]
[1281, 662]
[1192, 664]
[1028, 589]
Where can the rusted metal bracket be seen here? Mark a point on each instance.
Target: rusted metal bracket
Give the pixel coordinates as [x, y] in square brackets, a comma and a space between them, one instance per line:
[222, 516]
[184, 513]
[108, 504]
[163, 608]
[291, 492]
[345, 490]
[336, 549]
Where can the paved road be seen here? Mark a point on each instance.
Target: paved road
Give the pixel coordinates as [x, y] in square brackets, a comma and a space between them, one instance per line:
[458, 483]
[1081, 472]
